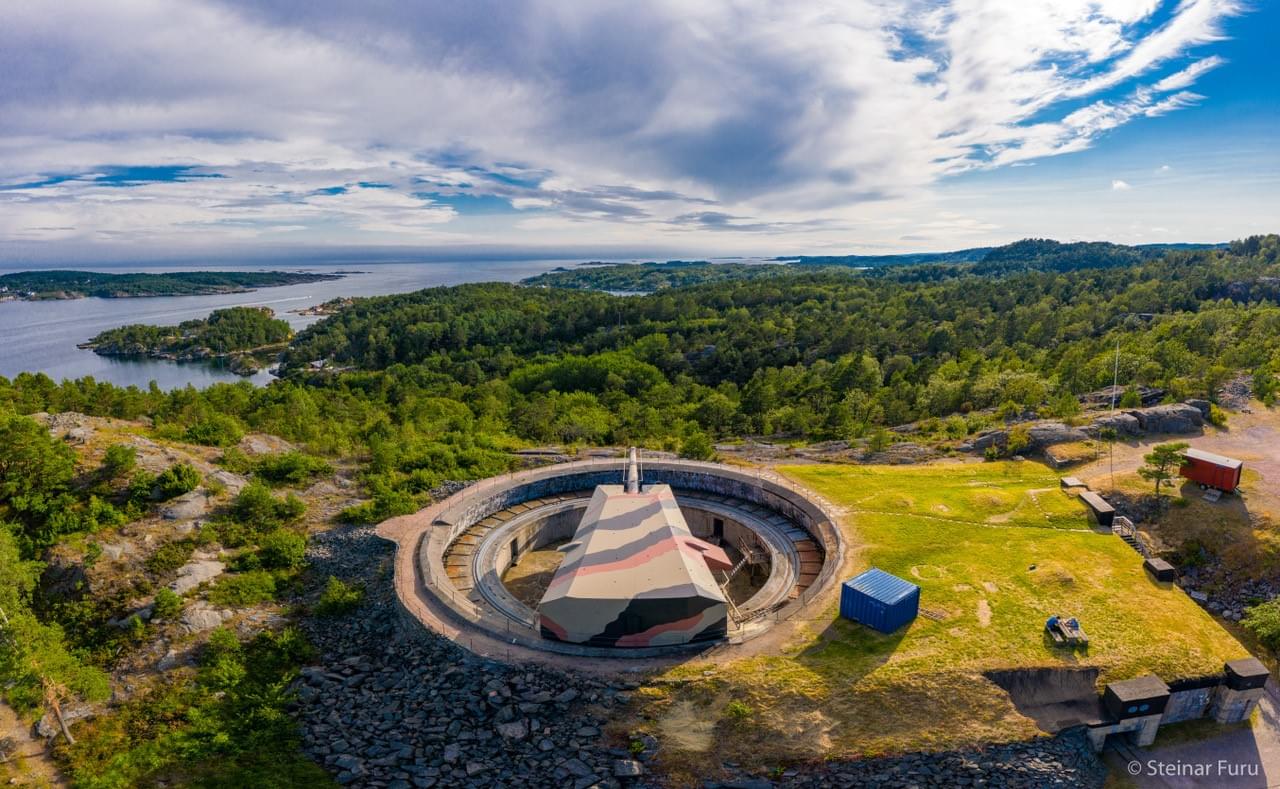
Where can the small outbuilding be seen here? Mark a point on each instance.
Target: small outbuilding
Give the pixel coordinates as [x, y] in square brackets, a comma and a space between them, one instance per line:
[1103, 512]
[1212, 470]
[879, 600]
[1136, 698]
[1160, 570]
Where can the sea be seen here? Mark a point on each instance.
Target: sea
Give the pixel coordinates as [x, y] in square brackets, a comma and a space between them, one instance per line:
[41, 336]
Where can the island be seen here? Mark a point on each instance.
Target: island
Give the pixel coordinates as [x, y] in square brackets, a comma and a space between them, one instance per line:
[246, 339]
[42, 285]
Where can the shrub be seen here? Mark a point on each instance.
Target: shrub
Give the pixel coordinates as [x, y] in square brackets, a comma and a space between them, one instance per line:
[697, 446]
[339, 598]
[738, 711]
[167, 604]
[283, 550]
[120, 459]
[242, 589]
[176, 480]
[1264, 622]
[256, 507]
[141, 486]
[1217, 417]
[215, 430]
[234, 459]
[290, 468]
[170, 556]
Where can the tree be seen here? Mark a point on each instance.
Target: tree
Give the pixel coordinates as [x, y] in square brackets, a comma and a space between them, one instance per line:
[120, 459]
[1161, 462]
[37, 670]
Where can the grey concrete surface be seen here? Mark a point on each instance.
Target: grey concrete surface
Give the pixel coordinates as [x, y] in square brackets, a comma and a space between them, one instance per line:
[1238, 758]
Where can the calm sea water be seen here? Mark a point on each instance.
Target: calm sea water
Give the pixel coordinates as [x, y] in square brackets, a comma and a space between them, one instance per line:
[41, 336]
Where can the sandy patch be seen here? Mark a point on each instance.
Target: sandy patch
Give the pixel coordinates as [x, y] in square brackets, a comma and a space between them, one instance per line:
[984, 612]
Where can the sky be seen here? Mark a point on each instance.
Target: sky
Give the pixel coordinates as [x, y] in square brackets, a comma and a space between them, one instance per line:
[240, 129]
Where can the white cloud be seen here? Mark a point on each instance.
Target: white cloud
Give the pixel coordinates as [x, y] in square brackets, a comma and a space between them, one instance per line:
[1120, 186]
[580, 119]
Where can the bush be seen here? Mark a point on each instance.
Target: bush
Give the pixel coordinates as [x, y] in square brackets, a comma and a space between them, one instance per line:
[1264, 622]
[167, 604]
[120, 459]
[176, 480]
[170, 556]
[290, 468]
[1217, 417]
[339, 598]
[256, 507]
[215, 430]
[283, 550]
[242, 589]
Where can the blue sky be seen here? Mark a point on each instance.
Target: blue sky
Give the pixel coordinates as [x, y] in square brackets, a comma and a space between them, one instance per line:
[236, 128]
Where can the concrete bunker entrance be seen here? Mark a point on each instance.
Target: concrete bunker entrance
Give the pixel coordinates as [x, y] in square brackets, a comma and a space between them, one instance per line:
[1055, 698]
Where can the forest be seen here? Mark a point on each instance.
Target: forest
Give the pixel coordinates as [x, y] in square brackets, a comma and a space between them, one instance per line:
[440, 384]
[37, 285]
[224, 331]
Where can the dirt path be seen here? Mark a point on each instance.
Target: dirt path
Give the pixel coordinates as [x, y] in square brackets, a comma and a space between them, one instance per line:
[1251, 437]
[27, 761]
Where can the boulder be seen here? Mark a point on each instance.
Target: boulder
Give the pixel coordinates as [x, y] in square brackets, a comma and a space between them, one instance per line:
[1202, 406]
[1125, 424]
[990, 438]
[1176, 418]
[234, 483]
[196, 572]
[200, 617]
[1046, 434]
[187, 506]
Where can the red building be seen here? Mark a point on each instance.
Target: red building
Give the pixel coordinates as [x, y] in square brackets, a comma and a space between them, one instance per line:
[1212, 470]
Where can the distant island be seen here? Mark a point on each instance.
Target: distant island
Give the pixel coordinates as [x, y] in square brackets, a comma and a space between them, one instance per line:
[246, 338]
[41, 285]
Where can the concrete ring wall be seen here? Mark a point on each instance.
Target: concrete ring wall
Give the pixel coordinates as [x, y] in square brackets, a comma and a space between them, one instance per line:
[427, 596]
[557, 522]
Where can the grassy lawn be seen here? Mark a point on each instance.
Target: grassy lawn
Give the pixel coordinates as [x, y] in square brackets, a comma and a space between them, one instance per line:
[996, 548]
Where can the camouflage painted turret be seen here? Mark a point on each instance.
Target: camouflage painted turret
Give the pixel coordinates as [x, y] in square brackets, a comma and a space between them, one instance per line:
[634, 575]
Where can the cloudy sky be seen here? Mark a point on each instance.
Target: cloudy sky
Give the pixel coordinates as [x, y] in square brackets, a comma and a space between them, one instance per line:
[153, 129]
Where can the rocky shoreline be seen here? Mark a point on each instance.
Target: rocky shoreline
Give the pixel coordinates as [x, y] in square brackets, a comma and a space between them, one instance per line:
[387, 708]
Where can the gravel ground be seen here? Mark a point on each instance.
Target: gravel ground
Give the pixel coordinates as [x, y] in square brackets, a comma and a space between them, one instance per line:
[388, 708]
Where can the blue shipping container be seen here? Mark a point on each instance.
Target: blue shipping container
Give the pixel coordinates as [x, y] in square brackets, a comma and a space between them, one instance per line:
[879, 600]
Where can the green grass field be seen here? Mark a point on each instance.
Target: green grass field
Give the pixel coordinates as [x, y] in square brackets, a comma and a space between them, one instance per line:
[996, 548]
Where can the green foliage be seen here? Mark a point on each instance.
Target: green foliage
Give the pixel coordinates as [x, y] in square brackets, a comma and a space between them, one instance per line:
[215, 430]
[1019, 439]
[170, 556]
[261, 511]
[229, 727]
[738, 711]
[167, 605]
[37, 666]
[119, 460]
[176, 480]
[282, 550]
[1264, 622]
[236, 590]
[339, 598]
[697, 446]
[1161, 462]
[224, 331]
[290, 468]
[1217, 417]
[58, 284]
[1131, 398]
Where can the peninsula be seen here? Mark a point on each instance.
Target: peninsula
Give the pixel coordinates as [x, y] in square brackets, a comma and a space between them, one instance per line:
[42, 285]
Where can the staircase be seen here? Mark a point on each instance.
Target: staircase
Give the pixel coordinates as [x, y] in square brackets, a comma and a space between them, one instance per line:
[1125, 530]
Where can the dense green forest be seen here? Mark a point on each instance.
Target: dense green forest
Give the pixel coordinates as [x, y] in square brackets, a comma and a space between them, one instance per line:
[79, 284]
[446, 380]
[628, 278]
[224, 331]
